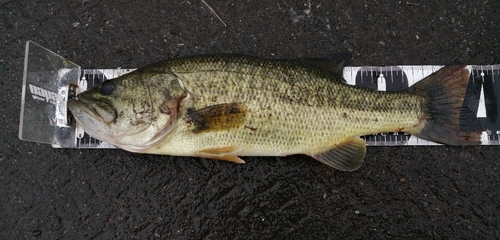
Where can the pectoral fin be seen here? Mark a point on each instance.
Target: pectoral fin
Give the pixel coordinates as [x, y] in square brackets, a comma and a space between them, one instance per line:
[217, 117]
[346, 156]
[223, 153]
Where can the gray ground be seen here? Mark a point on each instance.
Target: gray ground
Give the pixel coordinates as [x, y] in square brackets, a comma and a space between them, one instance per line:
[400, 192]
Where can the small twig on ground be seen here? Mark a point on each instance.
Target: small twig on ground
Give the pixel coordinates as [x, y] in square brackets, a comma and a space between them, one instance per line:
[212, 9]
[412, 4]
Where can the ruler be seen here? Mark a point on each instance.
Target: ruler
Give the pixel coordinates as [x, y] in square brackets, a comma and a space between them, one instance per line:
[483, 95]
[48, 78]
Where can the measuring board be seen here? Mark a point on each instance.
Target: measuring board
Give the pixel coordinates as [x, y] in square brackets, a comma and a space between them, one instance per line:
[482, 98]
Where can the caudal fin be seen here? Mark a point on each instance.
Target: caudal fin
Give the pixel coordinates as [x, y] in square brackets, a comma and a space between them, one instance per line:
[444, 93]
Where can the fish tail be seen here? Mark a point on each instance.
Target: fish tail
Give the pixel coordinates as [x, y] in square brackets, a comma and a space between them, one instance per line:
[443, 95]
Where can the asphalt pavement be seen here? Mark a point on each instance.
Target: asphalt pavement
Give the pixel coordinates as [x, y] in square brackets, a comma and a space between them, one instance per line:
[400, 192]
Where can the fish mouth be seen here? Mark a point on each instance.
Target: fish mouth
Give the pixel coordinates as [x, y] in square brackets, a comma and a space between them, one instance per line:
[80, 106]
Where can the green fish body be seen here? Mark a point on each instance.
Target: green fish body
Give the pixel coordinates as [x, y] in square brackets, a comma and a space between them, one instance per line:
[226, 106]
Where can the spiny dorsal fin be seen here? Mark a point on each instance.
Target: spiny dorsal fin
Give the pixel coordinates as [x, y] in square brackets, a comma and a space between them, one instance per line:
[333, 63]
[346, 156]
[217, 117]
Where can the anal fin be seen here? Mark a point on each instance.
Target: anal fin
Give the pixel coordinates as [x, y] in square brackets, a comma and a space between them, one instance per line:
[222, 153]
[346, 156]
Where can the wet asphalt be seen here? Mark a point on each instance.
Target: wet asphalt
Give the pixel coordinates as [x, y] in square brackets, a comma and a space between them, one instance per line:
[399, 192]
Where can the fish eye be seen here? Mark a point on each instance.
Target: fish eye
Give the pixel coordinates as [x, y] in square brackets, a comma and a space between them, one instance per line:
[107, 88]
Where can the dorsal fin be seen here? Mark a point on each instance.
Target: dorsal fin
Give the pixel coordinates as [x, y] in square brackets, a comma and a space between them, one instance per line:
[333, 63]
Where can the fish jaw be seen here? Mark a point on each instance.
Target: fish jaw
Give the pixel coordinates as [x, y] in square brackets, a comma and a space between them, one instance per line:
[90, 119]
[96, 110]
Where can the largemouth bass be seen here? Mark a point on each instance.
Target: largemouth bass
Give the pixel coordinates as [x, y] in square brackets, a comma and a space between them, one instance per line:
[226, 106]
